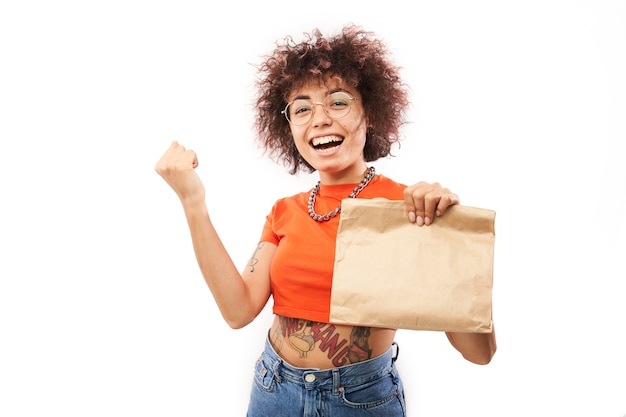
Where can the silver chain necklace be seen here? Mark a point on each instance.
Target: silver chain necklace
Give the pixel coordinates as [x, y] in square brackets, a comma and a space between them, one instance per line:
[371, 171]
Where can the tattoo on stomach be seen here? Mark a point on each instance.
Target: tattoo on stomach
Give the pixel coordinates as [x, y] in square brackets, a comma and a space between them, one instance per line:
[305, 336]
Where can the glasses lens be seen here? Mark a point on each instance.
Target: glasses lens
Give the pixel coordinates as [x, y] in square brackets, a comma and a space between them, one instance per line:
[336, 105]
[299, 111]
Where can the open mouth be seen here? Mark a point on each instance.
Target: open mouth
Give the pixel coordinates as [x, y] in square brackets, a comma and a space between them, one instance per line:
[326, 142]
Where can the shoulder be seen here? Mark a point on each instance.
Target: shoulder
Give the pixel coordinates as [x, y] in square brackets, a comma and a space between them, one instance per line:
[286, 206]
[297, 199]
[385, 187]
[386, 181]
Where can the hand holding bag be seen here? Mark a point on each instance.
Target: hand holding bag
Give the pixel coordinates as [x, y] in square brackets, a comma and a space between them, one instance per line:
[391, 273]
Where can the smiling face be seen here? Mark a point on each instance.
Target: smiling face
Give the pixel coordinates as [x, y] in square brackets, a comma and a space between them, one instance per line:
[333, 146]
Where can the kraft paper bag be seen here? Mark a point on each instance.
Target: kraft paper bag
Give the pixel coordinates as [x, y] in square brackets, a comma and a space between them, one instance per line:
[391, 273]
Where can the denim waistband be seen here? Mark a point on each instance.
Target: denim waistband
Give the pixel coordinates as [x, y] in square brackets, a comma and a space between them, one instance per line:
[333, 378]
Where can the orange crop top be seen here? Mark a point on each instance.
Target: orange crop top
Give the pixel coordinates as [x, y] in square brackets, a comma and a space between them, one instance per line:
[301, 273]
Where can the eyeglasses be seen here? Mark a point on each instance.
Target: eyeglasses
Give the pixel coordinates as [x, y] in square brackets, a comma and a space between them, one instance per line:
[336, 106]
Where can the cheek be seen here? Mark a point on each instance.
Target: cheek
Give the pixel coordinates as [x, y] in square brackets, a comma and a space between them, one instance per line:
[359, 131]
[297, 135]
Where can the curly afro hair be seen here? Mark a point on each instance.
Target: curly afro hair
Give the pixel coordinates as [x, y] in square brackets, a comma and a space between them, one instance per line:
[355, 57]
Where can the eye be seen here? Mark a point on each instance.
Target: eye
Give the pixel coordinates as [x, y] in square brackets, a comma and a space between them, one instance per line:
[300, 108]
[338, 101]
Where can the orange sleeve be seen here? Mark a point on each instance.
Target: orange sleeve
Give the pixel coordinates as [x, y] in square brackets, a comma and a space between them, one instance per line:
[267, 234]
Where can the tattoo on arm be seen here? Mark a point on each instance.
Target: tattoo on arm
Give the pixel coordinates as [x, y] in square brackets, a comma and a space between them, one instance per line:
[253, 259]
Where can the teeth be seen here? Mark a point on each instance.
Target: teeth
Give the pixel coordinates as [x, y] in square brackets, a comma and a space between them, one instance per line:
[324, 140]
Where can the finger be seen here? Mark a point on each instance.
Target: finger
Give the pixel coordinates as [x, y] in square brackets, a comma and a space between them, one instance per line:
[175, 159]
[182, 158]
[447, 200]
[430, 204]
[414, 200]
[436, 201]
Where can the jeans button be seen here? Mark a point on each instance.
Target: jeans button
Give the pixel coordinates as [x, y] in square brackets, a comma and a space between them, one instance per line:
[309, 377]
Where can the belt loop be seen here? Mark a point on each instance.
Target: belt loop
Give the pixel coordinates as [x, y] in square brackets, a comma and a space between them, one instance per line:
[276, 365]
[336, 381]
[395, 351]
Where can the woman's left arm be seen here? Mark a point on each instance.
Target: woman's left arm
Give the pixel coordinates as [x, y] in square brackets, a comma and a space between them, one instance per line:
[424, 202]
[478, 348]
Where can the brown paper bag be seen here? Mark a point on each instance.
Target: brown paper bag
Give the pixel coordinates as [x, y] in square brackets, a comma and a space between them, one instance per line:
[391, 273]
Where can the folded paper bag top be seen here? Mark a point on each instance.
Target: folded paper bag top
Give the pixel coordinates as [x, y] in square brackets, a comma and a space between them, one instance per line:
[391, 273]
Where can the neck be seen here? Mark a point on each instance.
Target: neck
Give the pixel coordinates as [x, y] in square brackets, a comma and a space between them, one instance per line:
[351, 175]
[369, 174]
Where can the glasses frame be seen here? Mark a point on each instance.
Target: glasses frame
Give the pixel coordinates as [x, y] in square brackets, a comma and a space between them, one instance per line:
[313, 107]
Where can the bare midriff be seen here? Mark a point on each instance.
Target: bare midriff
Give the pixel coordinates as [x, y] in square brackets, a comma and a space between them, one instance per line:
[309, 344]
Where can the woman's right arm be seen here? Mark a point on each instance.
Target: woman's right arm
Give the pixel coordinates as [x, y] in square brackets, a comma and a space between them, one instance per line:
[239, 296]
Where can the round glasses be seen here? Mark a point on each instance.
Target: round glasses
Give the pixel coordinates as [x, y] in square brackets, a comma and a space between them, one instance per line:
[336, 106]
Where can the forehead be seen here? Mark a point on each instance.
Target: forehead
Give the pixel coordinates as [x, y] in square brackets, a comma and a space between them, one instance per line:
[321, 87]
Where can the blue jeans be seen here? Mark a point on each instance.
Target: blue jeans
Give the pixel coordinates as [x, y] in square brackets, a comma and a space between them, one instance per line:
[368, 388]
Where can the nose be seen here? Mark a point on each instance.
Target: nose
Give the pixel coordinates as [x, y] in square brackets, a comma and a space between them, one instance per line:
[319, 118]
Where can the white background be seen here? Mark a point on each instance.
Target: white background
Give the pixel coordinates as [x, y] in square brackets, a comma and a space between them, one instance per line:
[517, 107]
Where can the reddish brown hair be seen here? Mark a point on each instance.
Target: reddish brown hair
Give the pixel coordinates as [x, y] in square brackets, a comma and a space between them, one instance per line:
[357, 58]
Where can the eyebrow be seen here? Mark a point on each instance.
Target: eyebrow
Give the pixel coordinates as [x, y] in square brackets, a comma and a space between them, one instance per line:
[335, 90]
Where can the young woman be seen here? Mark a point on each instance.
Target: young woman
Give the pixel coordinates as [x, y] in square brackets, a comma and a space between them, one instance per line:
[329, 105]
